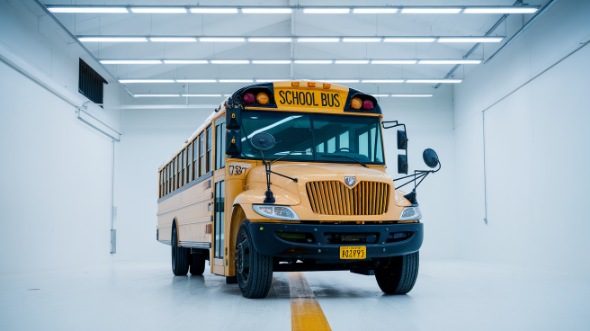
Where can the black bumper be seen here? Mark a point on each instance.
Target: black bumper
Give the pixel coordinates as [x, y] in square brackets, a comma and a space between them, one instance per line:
[322, 242]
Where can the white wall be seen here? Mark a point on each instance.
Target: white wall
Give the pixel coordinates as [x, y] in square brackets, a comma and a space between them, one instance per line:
[429, 124]
[535, 103]
[150, 137]
[55, 173]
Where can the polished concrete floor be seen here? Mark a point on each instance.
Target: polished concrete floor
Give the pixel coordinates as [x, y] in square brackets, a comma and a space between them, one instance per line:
[449, 295]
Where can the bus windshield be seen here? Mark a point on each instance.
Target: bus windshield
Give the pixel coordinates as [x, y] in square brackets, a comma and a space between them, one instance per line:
[314, 137]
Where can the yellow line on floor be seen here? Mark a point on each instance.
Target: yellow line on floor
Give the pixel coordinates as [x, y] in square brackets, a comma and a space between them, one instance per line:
[306, 313]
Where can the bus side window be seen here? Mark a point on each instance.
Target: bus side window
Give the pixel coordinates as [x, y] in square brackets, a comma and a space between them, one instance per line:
[201, 154]
[189, 160]
[209, 161]
[195, 158]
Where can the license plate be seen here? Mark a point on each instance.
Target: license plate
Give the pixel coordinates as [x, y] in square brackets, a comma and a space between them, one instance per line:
[353, 252]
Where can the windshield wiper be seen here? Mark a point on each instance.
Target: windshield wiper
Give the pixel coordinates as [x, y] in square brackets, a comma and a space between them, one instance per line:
[343, 157]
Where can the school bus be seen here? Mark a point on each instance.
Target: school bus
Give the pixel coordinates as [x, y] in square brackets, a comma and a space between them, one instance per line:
[291, 176]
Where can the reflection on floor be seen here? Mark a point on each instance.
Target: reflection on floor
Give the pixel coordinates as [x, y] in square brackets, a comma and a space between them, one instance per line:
[449, 295]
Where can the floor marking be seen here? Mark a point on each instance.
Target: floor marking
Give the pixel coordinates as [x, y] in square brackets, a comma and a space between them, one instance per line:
[306, 313]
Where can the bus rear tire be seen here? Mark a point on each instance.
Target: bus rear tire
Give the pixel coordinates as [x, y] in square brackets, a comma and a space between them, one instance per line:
[197, 262]
[253, 270]
[180, 255]
[399, 276]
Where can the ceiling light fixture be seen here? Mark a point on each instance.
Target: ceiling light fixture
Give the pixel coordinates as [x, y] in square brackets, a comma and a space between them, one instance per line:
[351, 61]
[382, 81]
[271, 61]
[409, 39]
[196, 81]
[375, 10]
[394, 61]
[156, 95]
[186, 61]
[87, 10]
[262, 10]
[449, 61]
[433, 81]
[361, 39]
[326, 10]
[145, 81]
[173, 39]
[236, 81]
[431, 10]
[201, 95]
[131, 61]
[500, 10]
[222, 39]
[411, 95]
[270, 39]
[112, 39]
[230, 61]
[158, 10]
[470, 39]
[313, 61]
[213, 10]
[318, 39]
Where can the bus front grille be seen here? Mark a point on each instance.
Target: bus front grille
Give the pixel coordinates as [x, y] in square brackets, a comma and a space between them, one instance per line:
[335, 198]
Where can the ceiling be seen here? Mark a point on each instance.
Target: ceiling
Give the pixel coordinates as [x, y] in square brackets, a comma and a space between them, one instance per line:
[376, 61]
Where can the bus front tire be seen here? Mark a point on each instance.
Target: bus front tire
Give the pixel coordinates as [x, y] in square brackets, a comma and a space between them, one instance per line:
[253, 270]
[180, 256]
[399, 276]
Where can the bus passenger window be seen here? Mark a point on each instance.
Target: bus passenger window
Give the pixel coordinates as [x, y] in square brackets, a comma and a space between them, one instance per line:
[209, 161]
[202, 170]
[195, 158]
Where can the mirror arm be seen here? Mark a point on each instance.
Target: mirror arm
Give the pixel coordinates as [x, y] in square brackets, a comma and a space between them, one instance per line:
[269, 196]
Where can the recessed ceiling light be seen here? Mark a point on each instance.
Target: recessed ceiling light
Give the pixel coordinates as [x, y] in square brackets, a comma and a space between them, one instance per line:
[270, 39]
[376, 10]
[196, 80]
[394, 61]
[229, 61]
[361, 39]
[112, 39]
[382, 81]
[131, 61]
[313, 61]
[433, 10]
[186, 61]
[500, 10]
[449, 61]
[222, 39]
[213, 10]
[263, 10]
[318, 39]
[326, 10]
[351, 61]
[87, 10]
[409, 39]
[271, 61]
[173, 39]
[470, 39]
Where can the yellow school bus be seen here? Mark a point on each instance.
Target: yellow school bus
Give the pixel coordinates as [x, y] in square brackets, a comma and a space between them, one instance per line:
[291, 176]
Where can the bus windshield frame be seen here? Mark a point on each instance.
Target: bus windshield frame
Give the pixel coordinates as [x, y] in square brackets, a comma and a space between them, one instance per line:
[314, 137]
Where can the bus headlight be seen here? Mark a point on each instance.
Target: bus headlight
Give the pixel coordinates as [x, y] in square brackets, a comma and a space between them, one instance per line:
[276, 212]
[410, 213]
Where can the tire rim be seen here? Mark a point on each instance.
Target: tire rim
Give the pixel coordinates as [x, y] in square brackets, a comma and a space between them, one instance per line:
[243, 258]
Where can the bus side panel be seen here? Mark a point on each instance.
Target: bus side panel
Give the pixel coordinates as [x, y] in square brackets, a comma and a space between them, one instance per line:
[192, 210]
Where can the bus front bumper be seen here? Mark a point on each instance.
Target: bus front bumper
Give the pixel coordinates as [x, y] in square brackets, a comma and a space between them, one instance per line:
[323, 242]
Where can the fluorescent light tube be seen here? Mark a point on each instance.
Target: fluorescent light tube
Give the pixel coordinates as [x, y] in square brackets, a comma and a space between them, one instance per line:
[236, 81]
[269, 80]
[222, 39]
[186, 61]
[326, 10]
[131, 61]
[361, 39]
[380, 95]
[433, 10]
[263, 10]
[201, 95]
[411, 95]
[145, 81]
[313, 61]
[213, 10]
[470, 39]
[409, 39]
[156, 95]
[351, 61]
[112, 39]
[433, 81]
[196, 80]
[500, 10]
[394, 61]
[342, 81]
[87, 10]
[270, 39]
[385, 10]
[173, 39]
[271, 61]
[449, 61]
[230, 61]
[382, 81]
[158, 10]
[318, 39]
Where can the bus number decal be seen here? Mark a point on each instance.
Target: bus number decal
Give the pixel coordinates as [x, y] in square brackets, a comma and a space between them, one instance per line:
[237, 169]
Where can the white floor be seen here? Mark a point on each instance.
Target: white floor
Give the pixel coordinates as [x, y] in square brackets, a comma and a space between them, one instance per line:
[449, 295]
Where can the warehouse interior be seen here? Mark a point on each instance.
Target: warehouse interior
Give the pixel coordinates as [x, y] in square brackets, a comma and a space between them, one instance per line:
[505, 236]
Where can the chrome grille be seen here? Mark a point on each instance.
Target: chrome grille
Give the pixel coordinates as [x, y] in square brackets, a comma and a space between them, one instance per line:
[335, 198]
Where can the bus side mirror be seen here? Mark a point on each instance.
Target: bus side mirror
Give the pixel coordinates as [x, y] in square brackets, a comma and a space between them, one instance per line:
[402, 139]
[233, 145]
[430, 158]
[402, 164]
